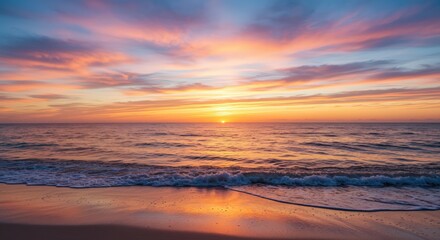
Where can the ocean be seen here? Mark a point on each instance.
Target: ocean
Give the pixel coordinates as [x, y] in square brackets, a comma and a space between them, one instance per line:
[347, 166]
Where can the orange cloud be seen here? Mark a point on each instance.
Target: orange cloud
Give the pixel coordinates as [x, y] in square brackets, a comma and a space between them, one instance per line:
[42, 52]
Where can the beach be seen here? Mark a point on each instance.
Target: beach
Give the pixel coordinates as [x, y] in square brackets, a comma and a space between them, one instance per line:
[44, 212]
[203, 120]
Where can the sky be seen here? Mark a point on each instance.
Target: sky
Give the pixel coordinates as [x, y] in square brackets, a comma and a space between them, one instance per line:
[219, 60]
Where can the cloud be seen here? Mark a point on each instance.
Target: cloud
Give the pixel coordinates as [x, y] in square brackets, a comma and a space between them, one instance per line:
[22, 85]
[382, 43]
[401, 74]
[304, 77]
[49, 96]
[4, 98]
[413, 25]
[163, 27]
[165, 13]
[163, 107]
[327, 71]
[27, 85]
[295, 26]
[181, 53]
[422, 17]
[392, 94]
[115, 79]
[51, 53]
[175, 89]
[282, 21]
[347, 97]
[397, 99]
[293, 75]
[159, 22]
[313, 76]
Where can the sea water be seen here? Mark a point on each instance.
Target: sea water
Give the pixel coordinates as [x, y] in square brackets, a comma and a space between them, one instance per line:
[350, 166]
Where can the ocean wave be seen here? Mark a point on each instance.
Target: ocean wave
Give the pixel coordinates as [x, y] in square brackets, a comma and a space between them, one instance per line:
[364, 147]
[27, 145]
[226, 179]
[163, 144]
[98, 174]
[373, 188]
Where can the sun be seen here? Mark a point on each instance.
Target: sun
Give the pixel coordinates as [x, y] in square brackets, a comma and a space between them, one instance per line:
[222, 121]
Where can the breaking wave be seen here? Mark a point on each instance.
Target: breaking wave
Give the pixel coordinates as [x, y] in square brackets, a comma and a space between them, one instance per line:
[107, 174]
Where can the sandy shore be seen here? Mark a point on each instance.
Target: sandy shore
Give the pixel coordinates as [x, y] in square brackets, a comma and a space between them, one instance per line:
[37, 212]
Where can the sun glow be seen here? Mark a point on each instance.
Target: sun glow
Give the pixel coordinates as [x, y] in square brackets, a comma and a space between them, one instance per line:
[222, 121]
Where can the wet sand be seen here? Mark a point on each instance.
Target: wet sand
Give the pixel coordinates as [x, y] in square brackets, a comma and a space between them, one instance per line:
[40, 212]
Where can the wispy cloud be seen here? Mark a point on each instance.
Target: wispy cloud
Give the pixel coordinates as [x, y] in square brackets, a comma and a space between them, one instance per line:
[55, 54]
[116, 79]
[49, 96]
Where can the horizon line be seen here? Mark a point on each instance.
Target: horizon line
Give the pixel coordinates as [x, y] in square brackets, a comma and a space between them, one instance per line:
[280, 122]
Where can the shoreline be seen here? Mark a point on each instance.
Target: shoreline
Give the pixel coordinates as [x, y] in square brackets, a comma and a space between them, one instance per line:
[330, 208]
[191, 213]
[239, 191]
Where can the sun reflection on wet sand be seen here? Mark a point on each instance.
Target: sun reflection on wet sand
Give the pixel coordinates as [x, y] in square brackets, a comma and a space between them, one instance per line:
[209, 210]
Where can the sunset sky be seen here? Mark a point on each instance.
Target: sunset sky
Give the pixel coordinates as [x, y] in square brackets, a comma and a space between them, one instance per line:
[207, 61]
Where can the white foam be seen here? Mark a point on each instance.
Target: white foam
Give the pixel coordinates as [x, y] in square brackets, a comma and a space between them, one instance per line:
[352, 198]
[322, 190]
